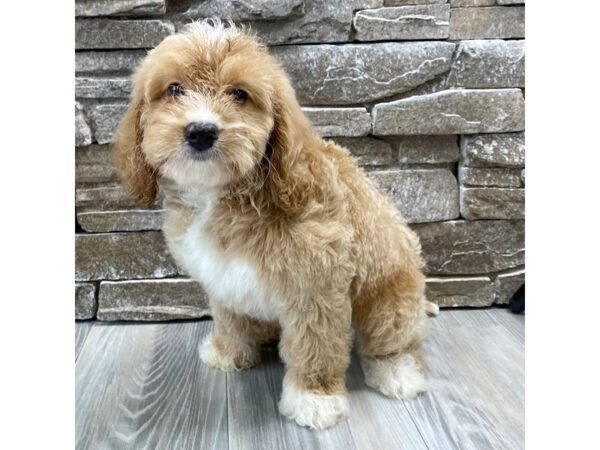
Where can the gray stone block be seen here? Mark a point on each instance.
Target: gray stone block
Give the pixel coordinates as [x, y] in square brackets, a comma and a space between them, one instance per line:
[187, 10]
[412, 2]
[122, 256]
[472, 247]
[487, 23]
[463, 111]
[339, 121]
[103, 197]
[469, 3]
[119, 7]
[489, 177]
[511, 2]
[460, 291]
[488, 64]
[83, 134]
[402, 23]
[427, 149]
[355, 73]
[437, 84]
[507, 284]
[103, 87]
[93, 165]
[120, 34]
[368, 151]
[420, 195]
[489, 150]
[323, 21]
[428, 166]
[492, 203]
[120, 220]
[85, 301]
[105, 119]
[167, 299]
[111, 61]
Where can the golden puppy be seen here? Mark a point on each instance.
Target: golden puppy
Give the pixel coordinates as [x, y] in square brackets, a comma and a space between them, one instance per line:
[282, 229]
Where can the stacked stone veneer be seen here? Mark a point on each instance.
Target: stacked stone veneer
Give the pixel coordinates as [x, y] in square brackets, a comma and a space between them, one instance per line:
[428, 94]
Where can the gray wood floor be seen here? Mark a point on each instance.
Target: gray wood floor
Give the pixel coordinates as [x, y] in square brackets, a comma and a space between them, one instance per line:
[142, 386]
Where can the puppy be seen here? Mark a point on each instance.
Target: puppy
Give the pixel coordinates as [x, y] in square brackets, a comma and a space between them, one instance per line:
[282, 229]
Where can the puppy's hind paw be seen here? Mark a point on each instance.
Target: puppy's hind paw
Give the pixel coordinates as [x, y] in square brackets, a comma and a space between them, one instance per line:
[432, 309]
[398, 377]
[309, 409]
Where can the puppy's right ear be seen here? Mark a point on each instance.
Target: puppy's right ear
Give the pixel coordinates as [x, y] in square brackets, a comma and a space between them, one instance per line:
[133, 169]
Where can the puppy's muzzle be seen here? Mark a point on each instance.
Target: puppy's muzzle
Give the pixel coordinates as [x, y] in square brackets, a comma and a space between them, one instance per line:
[201, 136]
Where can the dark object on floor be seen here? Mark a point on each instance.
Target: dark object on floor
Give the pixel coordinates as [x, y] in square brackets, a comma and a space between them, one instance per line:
[517, 302]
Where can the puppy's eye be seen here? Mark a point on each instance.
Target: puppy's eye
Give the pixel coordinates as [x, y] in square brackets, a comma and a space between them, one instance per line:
[239, 95]
[175, 90]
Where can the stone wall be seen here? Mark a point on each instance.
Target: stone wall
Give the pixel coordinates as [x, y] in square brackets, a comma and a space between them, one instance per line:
[428, 94]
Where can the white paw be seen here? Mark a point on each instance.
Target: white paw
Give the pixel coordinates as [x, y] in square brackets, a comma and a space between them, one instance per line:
[212, 358]
[432, 309]
[394, 377]
[312, 410]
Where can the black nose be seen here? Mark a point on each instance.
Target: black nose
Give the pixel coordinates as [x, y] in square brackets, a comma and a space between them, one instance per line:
[201, 136]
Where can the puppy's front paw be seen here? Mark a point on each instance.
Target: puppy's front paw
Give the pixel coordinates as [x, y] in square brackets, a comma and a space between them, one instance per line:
[212, 357]
[398, 377]
[308, 409]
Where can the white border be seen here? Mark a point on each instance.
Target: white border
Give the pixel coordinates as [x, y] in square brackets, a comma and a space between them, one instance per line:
[562, 227]
[37, 249]
[563, 176]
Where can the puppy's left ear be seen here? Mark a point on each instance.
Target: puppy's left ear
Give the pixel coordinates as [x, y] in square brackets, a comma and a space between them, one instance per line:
[290, 142]
[133, 169]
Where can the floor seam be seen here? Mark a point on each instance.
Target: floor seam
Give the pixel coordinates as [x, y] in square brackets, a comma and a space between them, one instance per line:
[415, 424]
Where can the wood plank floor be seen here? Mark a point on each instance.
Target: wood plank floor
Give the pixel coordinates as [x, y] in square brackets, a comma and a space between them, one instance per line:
[142, 386]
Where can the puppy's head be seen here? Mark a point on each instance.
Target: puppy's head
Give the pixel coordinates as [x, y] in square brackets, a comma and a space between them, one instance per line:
[208, 105]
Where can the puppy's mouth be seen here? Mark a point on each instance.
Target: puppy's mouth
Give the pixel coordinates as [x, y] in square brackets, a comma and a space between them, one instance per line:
[201, 155]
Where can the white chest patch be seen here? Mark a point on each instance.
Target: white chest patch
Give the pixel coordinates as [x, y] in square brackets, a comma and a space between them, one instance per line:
[228, 280]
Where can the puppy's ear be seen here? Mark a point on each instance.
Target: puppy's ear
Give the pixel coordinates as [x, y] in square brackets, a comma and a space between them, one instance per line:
[133, 169]
[290, 144]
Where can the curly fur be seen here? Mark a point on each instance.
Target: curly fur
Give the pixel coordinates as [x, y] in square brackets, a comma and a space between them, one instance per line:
[285, 232]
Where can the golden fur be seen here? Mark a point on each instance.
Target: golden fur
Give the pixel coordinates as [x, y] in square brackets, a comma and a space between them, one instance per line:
[334, 253]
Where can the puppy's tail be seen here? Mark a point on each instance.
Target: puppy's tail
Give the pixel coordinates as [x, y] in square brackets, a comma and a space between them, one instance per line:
[431, 308]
